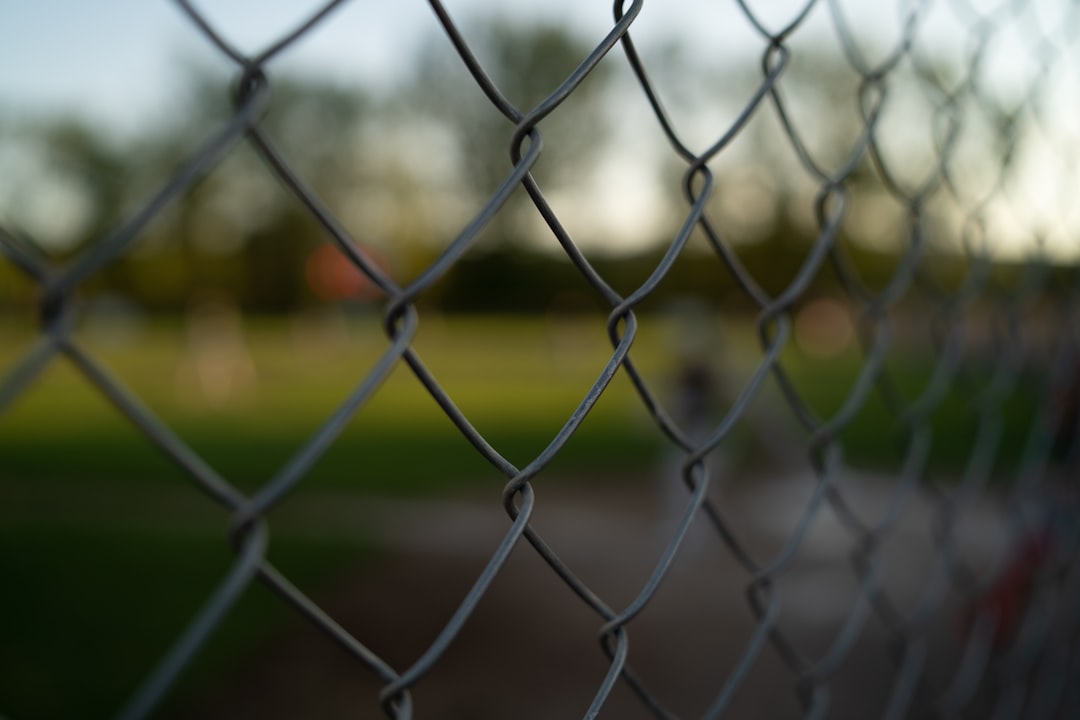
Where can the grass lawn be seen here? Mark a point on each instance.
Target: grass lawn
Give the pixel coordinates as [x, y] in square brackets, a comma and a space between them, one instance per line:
[106, 552]
[510, 378]
[92, 609]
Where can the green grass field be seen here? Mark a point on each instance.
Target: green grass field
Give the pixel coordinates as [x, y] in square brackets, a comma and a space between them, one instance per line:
[510, 378]
[107, 550]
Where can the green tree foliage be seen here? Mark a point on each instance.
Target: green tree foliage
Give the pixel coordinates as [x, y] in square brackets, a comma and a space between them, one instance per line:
[405, 171]
[527, 64]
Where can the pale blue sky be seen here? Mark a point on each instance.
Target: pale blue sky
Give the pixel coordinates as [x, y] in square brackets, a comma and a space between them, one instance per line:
[108, 57]
[118, 63]
[115, 59]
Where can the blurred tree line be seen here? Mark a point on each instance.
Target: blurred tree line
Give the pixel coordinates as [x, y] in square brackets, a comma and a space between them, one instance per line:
[405, 170]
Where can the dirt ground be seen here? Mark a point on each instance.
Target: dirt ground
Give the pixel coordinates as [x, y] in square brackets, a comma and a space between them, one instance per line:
[531, 651]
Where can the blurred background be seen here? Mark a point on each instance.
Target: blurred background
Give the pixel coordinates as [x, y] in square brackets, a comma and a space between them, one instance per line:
[237, 322]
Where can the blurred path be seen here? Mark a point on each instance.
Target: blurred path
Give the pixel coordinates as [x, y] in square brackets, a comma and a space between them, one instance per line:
[530, 650]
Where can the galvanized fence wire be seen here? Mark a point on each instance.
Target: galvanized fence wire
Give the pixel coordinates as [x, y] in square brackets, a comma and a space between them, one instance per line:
[1030, 678]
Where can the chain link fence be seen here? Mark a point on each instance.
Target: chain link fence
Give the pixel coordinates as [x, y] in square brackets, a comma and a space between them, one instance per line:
[1010, 620]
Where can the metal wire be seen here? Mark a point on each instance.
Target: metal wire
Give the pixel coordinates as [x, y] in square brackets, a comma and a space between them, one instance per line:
[1029, 679]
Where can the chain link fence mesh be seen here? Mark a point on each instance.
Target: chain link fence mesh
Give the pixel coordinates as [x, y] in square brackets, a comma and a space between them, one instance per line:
[1011, 619]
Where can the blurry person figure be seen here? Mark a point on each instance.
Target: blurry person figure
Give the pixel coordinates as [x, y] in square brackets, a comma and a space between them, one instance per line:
[695, 399]
[216, 362]
[696, 389]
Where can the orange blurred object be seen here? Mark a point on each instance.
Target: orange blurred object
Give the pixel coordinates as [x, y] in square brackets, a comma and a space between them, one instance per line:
[333, 276]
